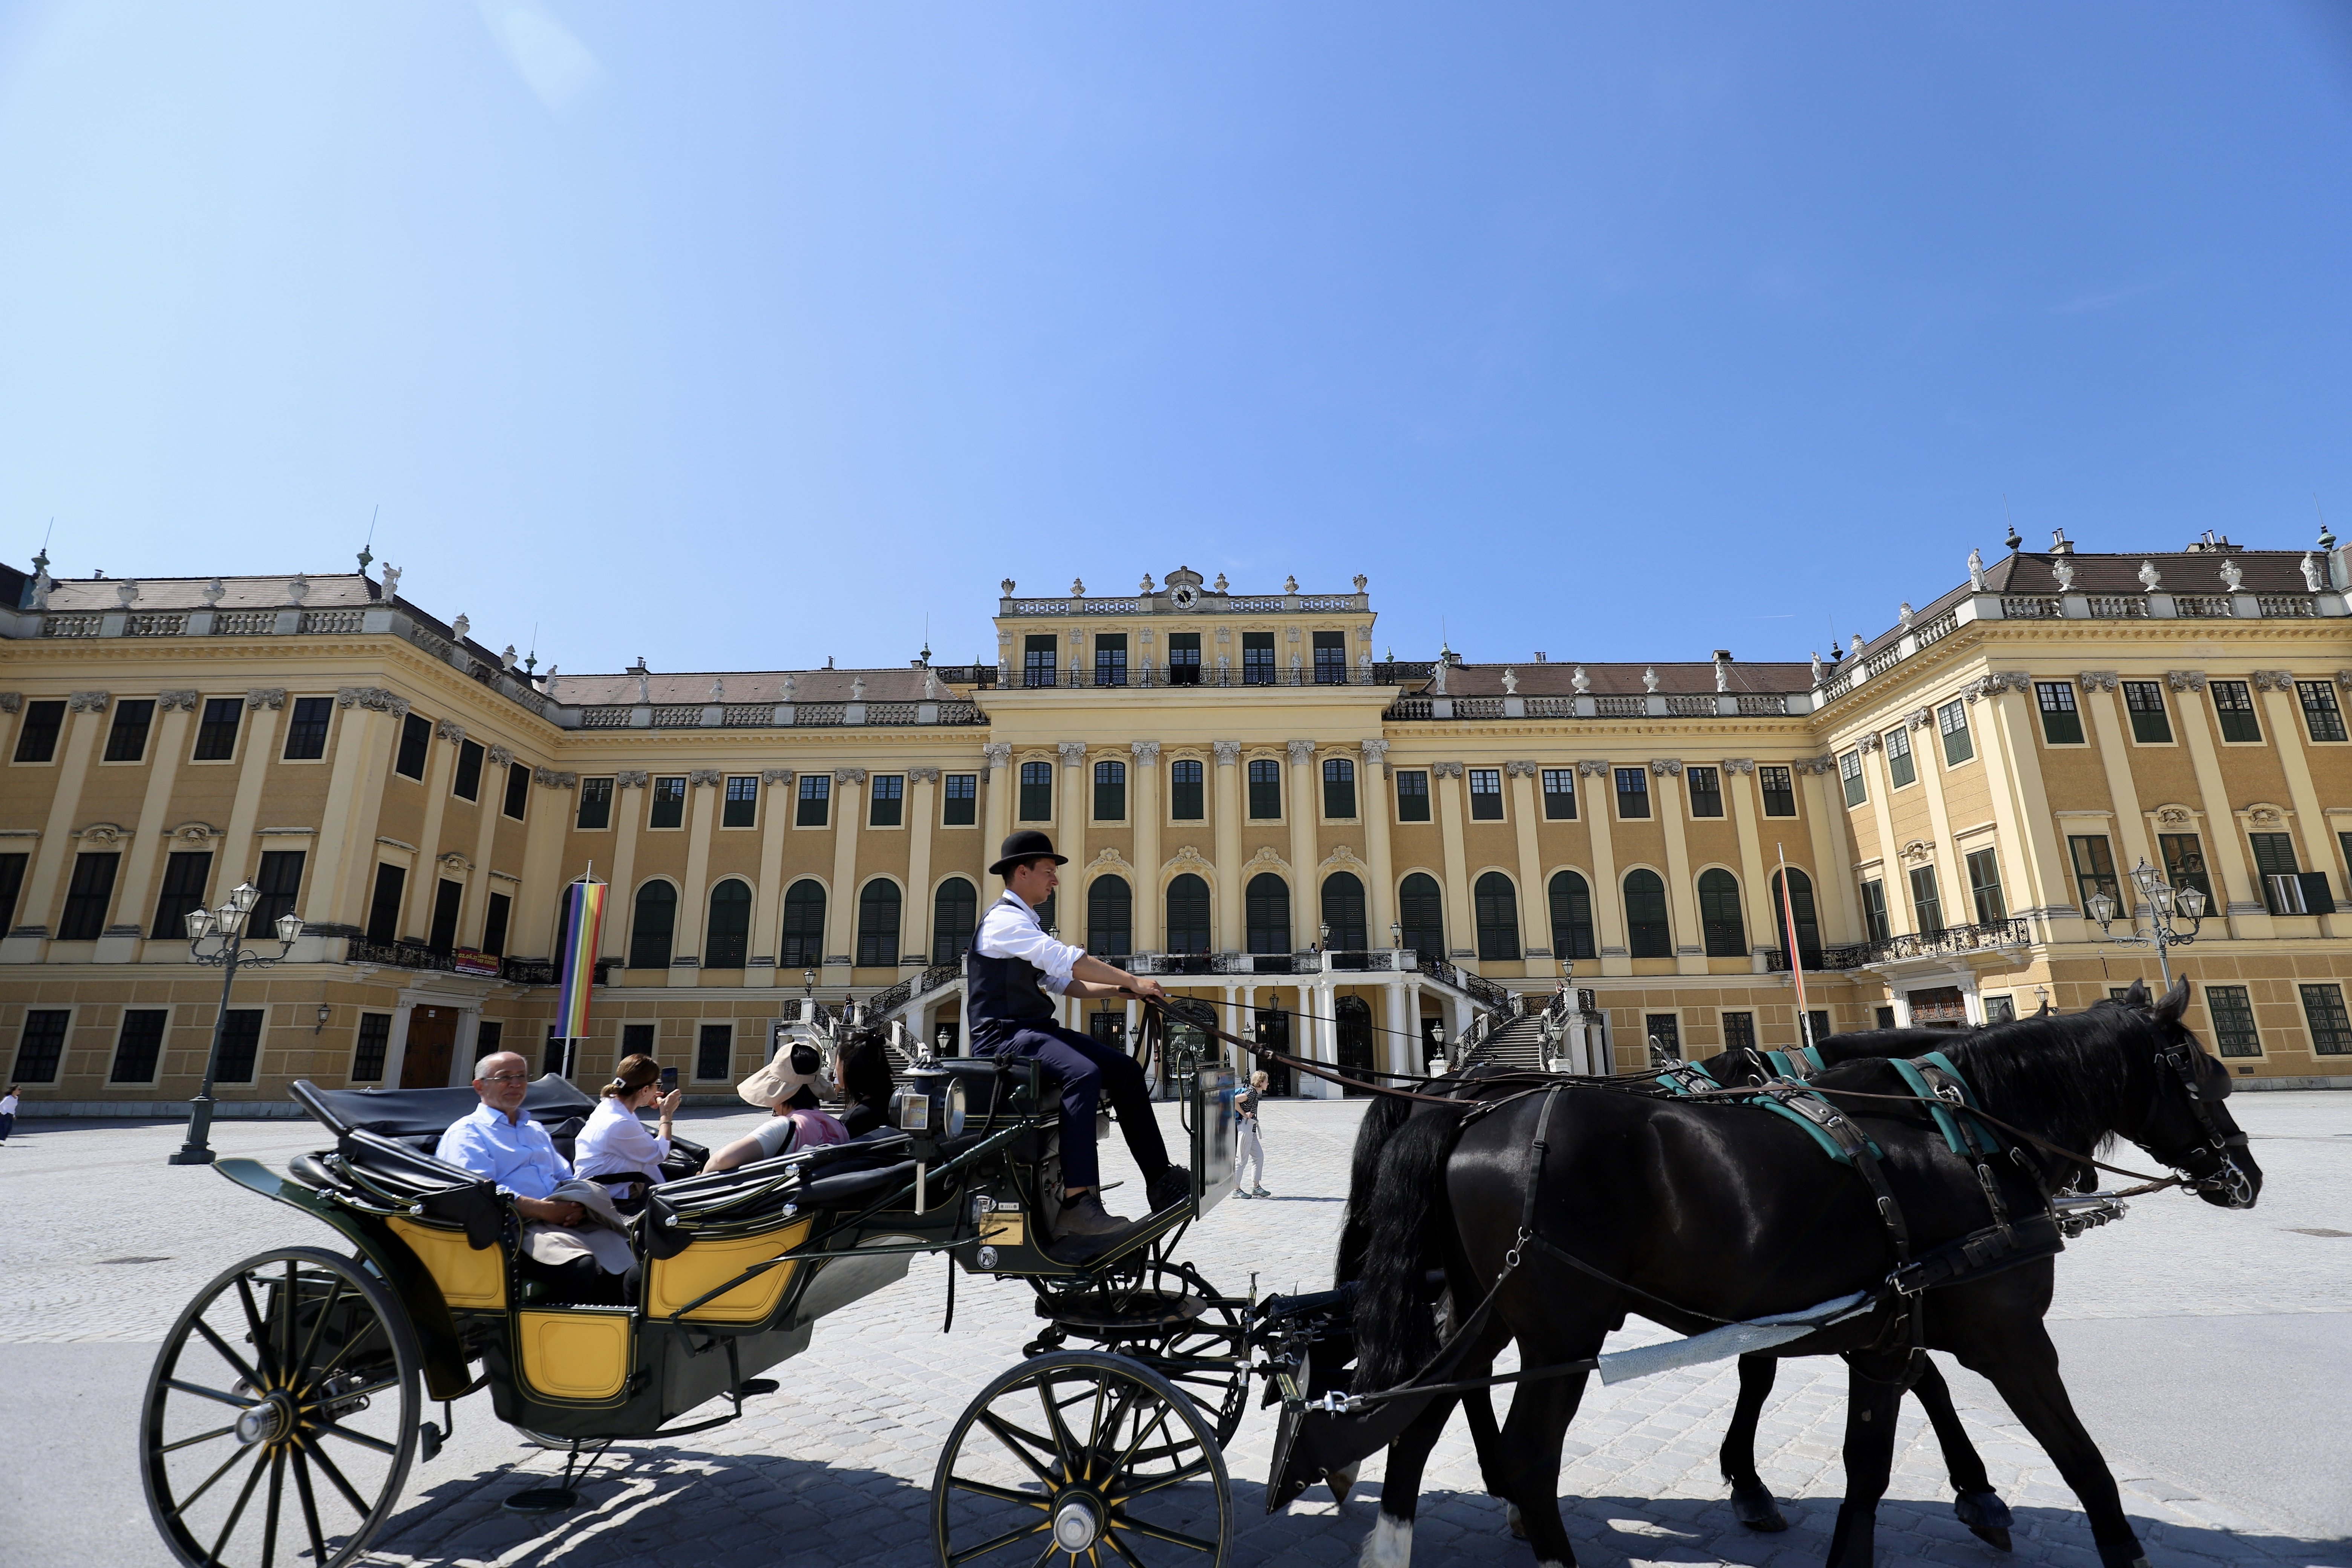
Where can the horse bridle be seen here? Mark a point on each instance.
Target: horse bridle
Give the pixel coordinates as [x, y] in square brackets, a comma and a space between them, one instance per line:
[2224, 1175]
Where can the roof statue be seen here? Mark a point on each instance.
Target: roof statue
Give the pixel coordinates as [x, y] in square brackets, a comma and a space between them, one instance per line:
[391, 580]
[2311, 573]
[1580, 681]
[2231, 576]
[1510, 680]
[2149, 577]
[2064, 571]
[1975, 572]
[1649, 679]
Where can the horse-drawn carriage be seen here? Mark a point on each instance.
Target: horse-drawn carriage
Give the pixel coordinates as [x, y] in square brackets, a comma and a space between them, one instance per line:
[291, 1398]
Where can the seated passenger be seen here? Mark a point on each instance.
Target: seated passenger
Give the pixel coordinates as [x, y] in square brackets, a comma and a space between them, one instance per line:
[787, 1086]
[572, 1231]
[614, 1142]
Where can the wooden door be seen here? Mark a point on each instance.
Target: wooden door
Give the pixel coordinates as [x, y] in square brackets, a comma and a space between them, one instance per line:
[432, 1035]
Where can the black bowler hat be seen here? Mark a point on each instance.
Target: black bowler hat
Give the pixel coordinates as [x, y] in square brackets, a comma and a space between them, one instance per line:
[1026, 844]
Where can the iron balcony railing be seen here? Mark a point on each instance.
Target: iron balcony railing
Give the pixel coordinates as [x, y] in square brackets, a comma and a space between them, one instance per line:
[1951, 940]
[417, 955]
[888, 1000]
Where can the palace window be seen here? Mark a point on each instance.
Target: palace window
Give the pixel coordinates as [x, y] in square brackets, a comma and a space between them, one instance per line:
[2233, 704]
[1486, 794]
[1571, 917]
[1559, 795]
[498, 911]
[741, 806]
[1494, 904]
[2331, 1031]
[1037, 656]
[1343, 912]
[1665, 1031]
[1183, 659]
[279, 884]
[1036, 792]
[1706, 791]
[139, 1047]
[1110, 792]
[1874, 911]
[1188, 914]
[595, 805]
[959, 805]
[1739, 1031]
[955, 914]
[728, 938]
[306, 734]
[383, 904]
[1648, 934]
[1850, 772]
[2233, 1013]
[1632, 794]
[126, 738]
[1257, 659]
[877, 924]
[2095, 870]
[2151, 722]
[240, 1047]
[2287, 891]
[2062, 721]
[1186, 802]
[416, 744]
[1110, 918]
[36, 738]
[185, 874]
[2184, 865]
[1111, 659]
[11, 882]
[441, 935]
[1926, 901]
[714, 1052]
[1266, 910]
[2321, 715]
[1338, 789]
[466, 782]
[815, 807]
[1901, 769]
[1721, 925]
[1952, 720]
[1420, 911]
[803, 934]
[86, 896]
[668, 802]
[1330, 658]
[373, 1047]
[1412, 796]
[217, 731]
[1779, 790]
[518, 797]
[1264, 790]
[41, 1047]
[1799, 907]
[886, 800]
[1984, 886]
[649, 931]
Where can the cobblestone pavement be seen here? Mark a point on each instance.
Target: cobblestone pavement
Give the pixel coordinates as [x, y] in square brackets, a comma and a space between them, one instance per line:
[103, 1243]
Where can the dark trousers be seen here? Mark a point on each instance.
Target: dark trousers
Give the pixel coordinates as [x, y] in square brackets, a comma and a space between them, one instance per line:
[1087, 1070]
[7, 1125]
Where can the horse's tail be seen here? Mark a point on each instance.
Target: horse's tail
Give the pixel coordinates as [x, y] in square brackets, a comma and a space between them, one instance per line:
[1396, 1330]
[1381, 1120]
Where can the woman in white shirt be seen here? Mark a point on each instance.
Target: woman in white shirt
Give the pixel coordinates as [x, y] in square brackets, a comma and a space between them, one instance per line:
[614, 1142]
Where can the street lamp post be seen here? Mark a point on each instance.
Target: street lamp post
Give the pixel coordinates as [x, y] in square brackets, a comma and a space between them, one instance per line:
[225, 928]
[2164, 902]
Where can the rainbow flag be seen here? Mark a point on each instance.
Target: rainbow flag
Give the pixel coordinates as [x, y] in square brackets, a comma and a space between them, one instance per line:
[583, 917]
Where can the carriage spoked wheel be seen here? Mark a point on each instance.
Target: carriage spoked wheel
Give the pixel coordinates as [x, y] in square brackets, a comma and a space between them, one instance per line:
[1082, 1457]
[282, 1416]
[1168, 1318]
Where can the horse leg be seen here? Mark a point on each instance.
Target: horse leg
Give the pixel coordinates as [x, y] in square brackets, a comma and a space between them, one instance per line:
[1874, 1393]
[1389, 1545]
[1478, 1406]
[1531, 1438]
[2023, 1365]
[1978, 1506]
[1751, 1500]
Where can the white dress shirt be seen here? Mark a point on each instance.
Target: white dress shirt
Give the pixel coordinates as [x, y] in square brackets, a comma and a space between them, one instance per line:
[519, 1155]
[614, 1142]
[1011, 930]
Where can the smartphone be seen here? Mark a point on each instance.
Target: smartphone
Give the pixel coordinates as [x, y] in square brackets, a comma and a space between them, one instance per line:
[669, 1080]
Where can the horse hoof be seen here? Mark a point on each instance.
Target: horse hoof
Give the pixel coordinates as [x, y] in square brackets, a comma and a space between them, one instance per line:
[1518, 1523]
[1341, 1482]
[1754, 1507]
[1996, 1539]
[1982, 1512]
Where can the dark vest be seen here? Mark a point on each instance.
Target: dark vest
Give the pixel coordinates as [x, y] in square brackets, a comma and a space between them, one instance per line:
[1005, 993]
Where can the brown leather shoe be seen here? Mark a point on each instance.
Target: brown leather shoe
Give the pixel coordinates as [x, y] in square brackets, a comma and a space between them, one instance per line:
[1087, 1216]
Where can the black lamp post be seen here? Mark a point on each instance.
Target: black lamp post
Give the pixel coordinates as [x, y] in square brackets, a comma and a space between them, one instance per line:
[224, 928]
[2164, 902]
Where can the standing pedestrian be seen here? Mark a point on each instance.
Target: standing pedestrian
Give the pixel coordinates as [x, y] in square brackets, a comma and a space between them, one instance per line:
[1249, 1146]
[7, 1113]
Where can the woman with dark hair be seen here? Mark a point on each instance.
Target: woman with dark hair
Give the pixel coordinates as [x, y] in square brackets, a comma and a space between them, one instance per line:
[788, 1086]
[614, 1142]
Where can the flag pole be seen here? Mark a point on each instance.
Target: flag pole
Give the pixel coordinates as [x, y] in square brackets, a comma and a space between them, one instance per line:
[1796, 956]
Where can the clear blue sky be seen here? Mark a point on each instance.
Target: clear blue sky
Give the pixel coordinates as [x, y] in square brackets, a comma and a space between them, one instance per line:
[742, 335]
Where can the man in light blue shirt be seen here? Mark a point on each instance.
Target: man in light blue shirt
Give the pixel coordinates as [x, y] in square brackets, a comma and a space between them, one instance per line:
[588, 1261]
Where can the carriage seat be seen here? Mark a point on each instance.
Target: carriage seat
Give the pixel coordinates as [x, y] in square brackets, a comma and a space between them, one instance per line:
[993, 1092]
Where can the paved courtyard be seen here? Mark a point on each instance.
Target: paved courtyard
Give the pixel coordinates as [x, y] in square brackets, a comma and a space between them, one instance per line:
[2209, 1352]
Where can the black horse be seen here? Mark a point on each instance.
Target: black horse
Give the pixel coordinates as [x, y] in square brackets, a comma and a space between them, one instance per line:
[1694, 1214]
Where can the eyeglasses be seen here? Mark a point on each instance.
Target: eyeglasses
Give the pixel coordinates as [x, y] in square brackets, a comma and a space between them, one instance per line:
[507, 1077]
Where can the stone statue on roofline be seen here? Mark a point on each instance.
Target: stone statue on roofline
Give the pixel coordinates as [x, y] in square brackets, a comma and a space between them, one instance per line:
[2311, 578]
[2231, 576]
[1580, 683]
[1817, 667]
[1975, 572]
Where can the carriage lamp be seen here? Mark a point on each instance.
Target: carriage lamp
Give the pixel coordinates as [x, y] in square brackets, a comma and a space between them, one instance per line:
[224, 929]
[2164, 902]
[1396, 934]
[946, 1040]
[930, 1102]
[1437, 1038]
[1325, 930]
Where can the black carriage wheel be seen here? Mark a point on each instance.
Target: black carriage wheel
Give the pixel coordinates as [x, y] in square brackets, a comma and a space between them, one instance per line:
[1207, 1358]
[282, 1416]
[1081, 1458]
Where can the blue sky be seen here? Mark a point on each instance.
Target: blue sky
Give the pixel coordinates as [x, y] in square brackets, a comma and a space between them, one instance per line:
[745, 335]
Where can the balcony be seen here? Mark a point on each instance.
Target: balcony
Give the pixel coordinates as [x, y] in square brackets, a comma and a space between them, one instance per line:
[416, 955]
[1675, 705]
[1950, 942]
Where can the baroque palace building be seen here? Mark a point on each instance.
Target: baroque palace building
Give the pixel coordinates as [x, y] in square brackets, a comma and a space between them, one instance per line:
[1351, 852]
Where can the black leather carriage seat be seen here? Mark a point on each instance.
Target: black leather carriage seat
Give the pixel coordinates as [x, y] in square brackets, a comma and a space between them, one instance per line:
[417, 1117]
[993, 1087]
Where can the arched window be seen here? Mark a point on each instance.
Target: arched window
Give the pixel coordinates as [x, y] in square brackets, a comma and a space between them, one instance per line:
[1497, 905]
[1266, 906]
[877, 924]
[1800, 901]
[1647, 932]
[1571, 918]
[803, 943]
[728, 935]
[1420, 911]
[649, 931]
[1343, 911]
[1188, 914]
[1110, 918]
[1725, 932]
[1036, 792]
[955, 910]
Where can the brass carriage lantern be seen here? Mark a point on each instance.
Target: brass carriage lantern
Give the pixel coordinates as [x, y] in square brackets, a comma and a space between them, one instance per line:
[1437, 1040]
[2163, 903]
[225, 928]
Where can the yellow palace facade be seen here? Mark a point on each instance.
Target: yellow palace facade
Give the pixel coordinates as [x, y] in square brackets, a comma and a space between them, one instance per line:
[1371, 860]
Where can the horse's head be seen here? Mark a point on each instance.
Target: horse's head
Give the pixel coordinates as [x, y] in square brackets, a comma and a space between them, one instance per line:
[2188, 1124]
